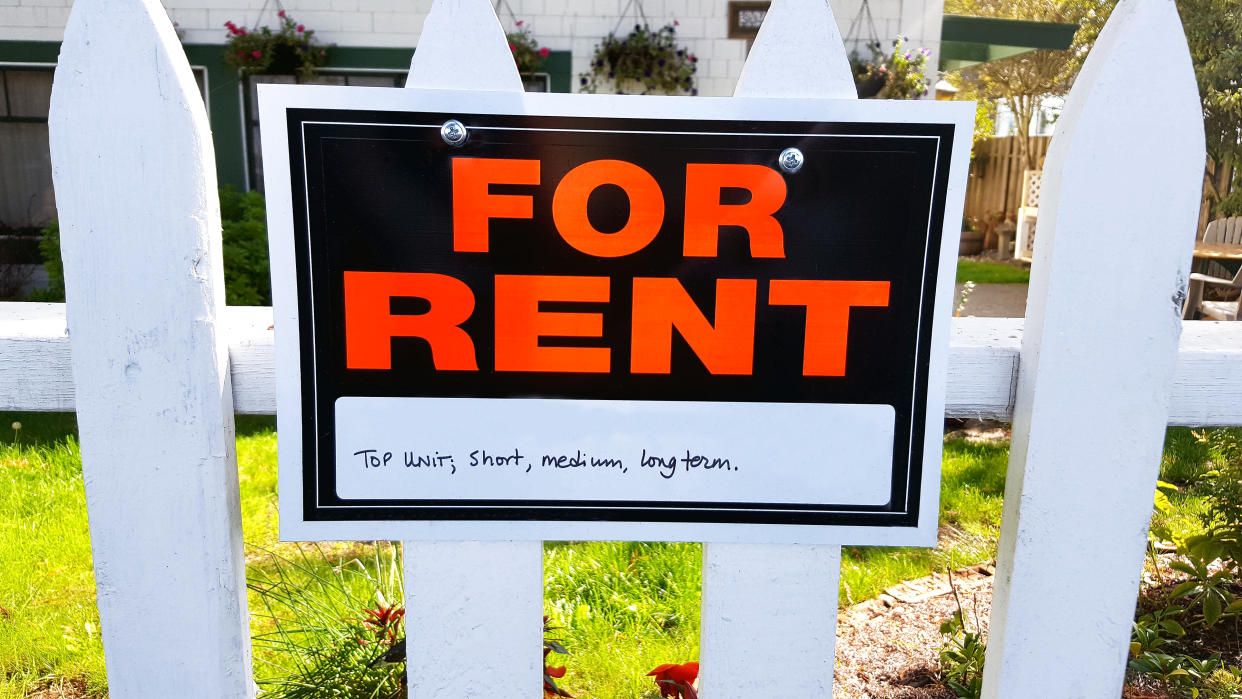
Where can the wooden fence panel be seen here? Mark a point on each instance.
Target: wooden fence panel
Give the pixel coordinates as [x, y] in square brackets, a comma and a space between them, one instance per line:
[135, 180]
[1087, 430]
[995, 184]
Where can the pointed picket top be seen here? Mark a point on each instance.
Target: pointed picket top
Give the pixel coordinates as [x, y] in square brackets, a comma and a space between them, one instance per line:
[798, 53]
[463, 47]
[1117, 219]
[134, 171]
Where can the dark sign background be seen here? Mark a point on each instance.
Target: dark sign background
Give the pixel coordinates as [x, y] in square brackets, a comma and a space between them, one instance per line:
[372, 192]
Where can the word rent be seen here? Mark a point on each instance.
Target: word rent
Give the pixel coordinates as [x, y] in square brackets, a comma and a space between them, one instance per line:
[660, 304]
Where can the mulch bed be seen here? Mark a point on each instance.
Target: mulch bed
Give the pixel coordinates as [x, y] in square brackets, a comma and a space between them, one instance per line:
[889, 646]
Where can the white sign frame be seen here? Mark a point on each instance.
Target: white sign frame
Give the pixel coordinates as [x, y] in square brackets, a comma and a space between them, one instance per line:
[275, 99]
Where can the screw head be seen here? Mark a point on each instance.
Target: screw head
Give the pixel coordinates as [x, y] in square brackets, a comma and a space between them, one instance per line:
[791, 160]
[454, 133]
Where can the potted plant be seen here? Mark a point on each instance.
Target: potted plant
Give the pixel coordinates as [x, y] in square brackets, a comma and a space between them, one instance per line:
[292, 49]
[646, 61]
[530, 57]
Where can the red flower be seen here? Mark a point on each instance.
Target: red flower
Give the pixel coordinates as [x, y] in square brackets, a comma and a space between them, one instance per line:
[676, 23]
[557, 672]
[256, 53]
[241, 54]
[241, 32]
[519, 22]
[301, 28]
[676, 680]
[545, 51]
[512, 48]
[281, 14]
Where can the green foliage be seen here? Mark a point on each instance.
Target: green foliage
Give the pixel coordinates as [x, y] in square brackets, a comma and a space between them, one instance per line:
[326, 623]
[1152, 631]
[961, 658]
[1187, 676]
[49, 250]
[1214, 33]
[527, 54]
[901, 75]
[247, 278]
[645, 62]
[982, 272]
[290, 49]
[623, 608]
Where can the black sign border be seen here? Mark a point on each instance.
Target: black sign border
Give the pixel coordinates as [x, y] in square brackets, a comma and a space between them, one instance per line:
[318, 437]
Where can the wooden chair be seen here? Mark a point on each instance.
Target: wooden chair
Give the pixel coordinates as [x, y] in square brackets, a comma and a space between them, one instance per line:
[1222, 230]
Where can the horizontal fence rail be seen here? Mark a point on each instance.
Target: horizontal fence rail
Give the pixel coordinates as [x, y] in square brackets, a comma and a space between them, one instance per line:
[35, 373]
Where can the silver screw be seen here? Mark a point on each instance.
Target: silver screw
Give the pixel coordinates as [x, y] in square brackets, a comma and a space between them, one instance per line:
[454, 133]
[791, 160]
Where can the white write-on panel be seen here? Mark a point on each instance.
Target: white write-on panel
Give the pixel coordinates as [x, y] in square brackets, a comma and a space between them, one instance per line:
[633, 451]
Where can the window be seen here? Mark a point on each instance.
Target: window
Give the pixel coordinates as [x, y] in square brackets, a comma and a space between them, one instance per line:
[328, 76]
[26, 199]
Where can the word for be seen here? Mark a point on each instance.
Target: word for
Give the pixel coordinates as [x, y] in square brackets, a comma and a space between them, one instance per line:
[660, 306]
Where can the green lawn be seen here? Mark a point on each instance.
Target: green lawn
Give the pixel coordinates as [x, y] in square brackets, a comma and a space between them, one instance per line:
[981, 272]
[623, 607]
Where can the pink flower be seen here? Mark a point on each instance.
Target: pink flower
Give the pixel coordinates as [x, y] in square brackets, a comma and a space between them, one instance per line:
[257, 53]
[512, 48]
[241, 32]
[676, 23]
[545, 51]
[301, 28]
[520, 23]
[281, 14]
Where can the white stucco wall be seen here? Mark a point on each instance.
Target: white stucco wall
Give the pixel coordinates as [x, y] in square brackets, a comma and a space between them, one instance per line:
[573, 25]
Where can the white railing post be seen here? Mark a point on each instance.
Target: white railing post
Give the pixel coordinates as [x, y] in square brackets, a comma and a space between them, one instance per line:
[770, 612]
[140, 223]
[1116, 224]
[473, 609]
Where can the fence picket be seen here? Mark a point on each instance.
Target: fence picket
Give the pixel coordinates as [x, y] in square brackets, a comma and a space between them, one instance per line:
[775, 607]
[1087, 433]
[135, 181]
[473, 609]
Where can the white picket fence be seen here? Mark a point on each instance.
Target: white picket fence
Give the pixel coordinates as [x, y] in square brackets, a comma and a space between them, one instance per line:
[159, 365]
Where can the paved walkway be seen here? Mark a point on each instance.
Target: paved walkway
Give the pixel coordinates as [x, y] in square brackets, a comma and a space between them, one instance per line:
[993, 300]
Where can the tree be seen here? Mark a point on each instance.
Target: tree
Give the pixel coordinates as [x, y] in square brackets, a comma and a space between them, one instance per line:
[1023, 81]
[1214, 33]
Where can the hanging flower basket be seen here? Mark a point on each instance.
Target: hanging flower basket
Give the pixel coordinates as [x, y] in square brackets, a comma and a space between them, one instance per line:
[901, 76]
[290, 50]
[647, 62]
[529, 56]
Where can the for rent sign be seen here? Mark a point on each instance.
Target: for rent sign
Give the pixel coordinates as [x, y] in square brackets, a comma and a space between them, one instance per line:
[687, 319]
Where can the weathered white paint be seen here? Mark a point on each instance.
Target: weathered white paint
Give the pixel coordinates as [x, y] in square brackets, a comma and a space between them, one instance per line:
[798, 53]
[1093, 394]
[474, 619]
[474, 605]
[140, 229]
[35, 371]
[752, 594]
[769, 620]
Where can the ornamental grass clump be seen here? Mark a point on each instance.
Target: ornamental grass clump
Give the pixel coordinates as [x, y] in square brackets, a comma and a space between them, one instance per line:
[324, 626]
[647, 62]
[292, 49]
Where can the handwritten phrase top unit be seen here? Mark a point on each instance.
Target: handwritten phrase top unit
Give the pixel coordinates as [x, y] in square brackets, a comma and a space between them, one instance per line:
[512, 317]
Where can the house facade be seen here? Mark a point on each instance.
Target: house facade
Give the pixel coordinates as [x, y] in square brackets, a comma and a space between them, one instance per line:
[373, 41]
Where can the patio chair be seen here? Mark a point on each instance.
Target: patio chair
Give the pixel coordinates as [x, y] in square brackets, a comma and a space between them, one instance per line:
[1222, 230]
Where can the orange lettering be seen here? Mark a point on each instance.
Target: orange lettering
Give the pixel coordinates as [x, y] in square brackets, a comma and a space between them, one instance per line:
[370, 325]
[520, 324]
[569, 208]
[828, 306]
[474, 205]
[705, 214]
[661, 304]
